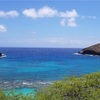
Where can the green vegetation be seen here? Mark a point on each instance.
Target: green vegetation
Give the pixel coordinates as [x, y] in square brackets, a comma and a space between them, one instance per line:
[74, 88]
[86, 87]
[12, 95]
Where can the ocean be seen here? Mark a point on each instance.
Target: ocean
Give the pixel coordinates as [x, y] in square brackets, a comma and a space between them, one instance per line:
[27, 69]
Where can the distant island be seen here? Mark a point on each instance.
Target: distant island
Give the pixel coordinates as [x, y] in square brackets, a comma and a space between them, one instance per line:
[0, 54]
[91, 50]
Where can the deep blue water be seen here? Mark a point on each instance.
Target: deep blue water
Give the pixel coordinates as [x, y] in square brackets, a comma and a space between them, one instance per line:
[45, 64]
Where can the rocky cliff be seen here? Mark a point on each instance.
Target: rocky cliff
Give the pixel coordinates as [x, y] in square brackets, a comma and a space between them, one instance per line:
[92, 50]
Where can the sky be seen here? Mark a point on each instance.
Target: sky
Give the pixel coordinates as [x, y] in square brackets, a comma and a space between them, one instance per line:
[49, 23]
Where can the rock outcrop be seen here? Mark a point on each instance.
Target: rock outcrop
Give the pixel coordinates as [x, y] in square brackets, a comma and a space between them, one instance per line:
[0, 54]
[92, 50]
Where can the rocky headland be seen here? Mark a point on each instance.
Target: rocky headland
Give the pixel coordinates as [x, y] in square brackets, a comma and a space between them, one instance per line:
[0, 54]
[91, 50]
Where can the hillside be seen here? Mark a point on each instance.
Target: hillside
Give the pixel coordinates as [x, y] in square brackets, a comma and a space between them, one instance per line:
[91, 50]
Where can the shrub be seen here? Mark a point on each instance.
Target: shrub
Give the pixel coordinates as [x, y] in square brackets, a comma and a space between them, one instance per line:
[74, 88]
[13, 96]
[86, 87]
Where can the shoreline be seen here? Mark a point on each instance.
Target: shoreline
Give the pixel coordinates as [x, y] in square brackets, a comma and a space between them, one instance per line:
[6, 85]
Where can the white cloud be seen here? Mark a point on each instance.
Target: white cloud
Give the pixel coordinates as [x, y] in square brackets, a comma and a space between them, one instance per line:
[2, 14]
[43, 12]
[63, 22]
[69, 14]
[30, 13]
[68, 17]
[3, 28]
[47, 12]
[71, 22]
[11, 13]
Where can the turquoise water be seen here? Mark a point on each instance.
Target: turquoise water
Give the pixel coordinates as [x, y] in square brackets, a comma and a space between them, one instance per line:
[32, 68]
[24, 91]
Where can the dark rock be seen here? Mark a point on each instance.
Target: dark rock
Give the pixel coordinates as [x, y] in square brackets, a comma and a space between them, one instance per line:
[92, 50]
[0, 54]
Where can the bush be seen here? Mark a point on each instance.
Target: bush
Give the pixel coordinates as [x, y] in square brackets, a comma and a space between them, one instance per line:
[74, 88]
[13, 96]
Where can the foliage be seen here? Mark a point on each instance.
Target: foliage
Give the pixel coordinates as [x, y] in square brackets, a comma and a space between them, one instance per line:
[13, 96]
[86, 87]
[74, 88]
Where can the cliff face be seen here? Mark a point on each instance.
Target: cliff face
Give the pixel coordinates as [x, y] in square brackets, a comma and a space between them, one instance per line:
[92, 50]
